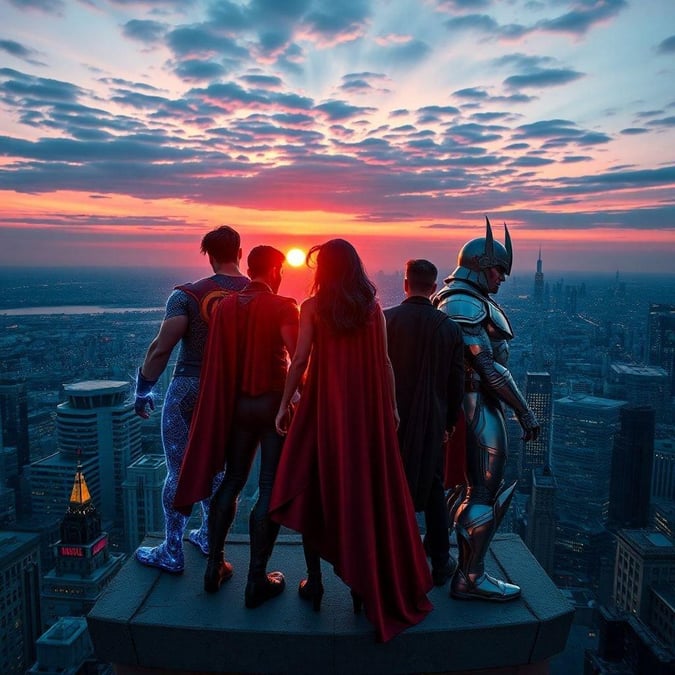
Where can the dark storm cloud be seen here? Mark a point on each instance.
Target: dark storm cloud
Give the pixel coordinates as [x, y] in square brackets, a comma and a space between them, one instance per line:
[633, 131]
[20, 51]
[145, 31]
[667, 46]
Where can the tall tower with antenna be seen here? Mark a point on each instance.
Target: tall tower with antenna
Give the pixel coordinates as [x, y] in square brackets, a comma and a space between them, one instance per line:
[539, 282]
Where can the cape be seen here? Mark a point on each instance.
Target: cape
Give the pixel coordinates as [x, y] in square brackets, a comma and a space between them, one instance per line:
[340, 479]
[237, 359]
[425, 347]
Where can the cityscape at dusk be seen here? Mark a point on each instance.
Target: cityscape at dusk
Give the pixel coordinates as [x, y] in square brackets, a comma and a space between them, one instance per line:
[133, 128]
[129, 129]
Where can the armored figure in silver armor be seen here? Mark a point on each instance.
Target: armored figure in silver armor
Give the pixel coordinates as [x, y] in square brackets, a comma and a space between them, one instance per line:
[480, 506]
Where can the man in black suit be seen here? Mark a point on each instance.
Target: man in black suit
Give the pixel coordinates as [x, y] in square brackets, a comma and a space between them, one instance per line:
[426, 351]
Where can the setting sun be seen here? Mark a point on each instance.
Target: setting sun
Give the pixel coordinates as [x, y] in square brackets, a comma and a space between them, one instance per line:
[295, 257]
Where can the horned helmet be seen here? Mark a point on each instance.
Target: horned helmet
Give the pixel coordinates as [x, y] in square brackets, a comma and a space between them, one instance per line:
[479, 254]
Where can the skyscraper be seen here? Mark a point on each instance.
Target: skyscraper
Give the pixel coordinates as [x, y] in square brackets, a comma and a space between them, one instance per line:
[541, 520]
[661, 326]
[84, 564]
[20, 622]
[584, 428]
[97, 426]
[643, 558]
[663, 475]
[539, 283]
[631, 475]
[142, 491]
[533, 454]
[640, 386]
[582, 439]
[14, 418]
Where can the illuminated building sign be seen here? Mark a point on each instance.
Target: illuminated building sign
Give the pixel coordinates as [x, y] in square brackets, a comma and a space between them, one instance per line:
[99, 545]
[71, 551]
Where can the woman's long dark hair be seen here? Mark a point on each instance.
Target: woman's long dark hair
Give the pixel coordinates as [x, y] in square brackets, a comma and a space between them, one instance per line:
[345, 295]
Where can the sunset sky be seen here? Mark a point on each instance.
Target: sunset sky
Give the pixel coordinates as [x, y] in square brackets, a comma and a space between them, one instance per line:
[130, 128]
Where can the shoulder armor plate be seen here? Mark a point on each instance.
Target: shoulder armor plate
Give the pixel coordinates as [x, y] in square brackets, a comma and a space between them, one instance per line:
[463, 307]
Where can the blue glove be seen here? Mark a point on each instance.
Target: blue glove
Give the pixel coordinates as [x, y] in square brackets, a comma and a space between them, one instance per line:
[144, 395]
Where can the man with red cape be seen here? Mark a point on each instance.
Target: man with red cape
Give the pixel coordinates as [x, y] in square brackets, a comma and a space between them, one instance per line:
[252, 334]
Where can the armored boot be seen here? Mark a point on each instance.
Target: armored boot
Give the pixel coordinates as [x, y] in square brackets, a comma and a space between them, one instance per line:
[262, 586]
[475, 527]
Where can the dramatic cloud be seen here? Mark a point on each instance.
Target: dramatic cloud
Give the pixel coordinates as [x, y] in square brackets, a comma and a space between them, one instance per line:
[20, 52]
[396, 120]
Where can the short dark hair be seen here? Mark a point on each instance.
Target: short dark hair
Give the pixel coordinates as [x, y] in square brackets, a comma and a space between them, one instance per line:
[262, 259]
[421, 275]
[222, 244]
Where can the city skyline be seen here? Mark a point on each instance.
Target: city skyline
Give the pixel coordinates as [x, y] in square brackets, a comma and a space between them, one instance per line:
[397, 125]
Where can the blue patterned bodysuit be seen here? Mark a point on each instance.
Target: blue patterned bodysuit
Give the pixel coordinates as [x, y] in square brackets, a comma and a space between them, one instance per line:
[179, 404]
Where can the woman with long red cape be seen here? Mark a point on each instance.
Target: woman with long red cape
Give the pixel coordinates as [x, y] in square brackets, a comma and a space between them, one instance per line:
[340, 480]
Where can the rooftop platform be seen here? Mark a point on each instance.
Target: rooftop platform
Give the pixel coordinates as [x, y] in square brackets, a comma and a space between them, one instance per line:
[148, 622]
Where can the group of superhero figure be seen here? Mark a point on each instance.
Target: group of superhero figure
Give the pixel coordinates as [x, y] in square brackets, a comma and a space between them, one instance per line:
[475, 507]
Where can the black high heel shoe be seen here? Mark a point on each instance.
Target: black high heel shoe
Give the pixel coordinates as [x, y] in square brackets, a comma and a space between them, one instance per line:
[357, 601]
[312, 589]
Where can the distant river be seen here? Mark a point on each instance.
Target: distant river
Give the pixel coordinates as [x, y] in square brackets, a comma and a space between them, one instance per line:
[75, 309]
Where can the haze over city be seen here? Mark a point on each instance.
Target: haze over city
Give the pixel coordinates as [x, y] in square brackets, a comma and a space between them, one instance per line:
[130, 129]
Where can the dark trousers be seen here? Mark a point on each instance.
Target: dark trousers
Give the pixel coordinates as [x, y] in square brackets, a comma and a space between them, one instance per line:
[437, 537]
[253, 424]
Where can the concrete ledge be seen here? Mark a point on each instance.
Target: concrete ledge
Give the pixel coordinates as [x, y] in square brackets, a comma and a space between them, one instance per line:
[147, 621]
